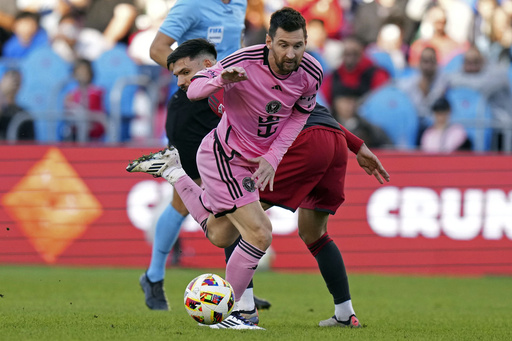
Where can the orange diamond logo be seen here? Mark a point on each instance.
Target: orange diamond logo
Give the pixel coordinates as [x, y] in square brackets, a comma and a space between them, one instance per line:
[52, 205]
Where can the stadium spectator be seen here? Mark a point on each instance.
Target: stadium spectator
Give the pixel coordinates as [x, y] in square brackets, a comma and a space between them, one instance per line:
[418, 86]
[85, 100]
[147, 24]
[9, 87]
[256, 22]
[501, 36]
[71, 41]
[390, 42]
[480, 34]
[331, 13]
[444, 136]
[491, 80]
[326, 50]
[115, 19]
[357, 72]
[27, 36]
[8, 10]
[370, 16]
[492, 31]
[459, 16]
[345, 110]
[433, 34]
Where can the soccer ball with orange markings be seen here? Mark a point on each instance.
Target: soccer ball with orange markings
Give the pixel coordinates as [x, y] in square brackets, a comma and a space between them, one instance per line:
[209, 299]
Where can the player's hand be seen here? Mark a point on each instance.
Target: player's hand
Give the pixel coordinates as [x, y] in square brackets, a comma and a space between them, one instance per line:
[234, 74]
[371, 164]
[264, 175]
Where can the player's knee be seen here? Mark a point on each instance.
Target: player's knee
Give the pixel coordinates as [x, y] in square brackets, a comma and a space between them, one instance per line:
[310, 236]
[262, 239]
[221, 239]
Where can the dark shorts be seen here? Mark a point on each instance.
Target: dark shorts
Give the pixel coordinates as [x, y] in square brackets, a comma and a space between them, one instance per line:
[186, 125]
[312, 172]
[188, 153]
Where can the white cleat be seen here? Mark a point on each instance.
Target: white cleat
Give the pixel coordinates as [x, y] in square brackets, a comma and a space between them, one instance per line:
[352, 322]
[236, 321]
[156, 163]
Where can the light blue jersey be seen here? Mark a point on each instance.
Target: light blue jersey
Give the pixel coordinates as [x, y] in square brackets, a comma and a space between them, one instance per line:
[221, 24]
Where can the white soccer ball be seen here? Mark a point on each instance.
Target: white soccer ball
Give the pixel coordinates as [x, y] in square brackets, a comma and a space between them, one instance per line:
[209, 299]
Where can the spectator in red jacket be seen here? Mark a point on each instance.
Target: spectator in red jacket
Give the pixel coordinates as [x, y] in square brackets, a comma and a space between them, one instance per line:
[85, 100]
[357, 72]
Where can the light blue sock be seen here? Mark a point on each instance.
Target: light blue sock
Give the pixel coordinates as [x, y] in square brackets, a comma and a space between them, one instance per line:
[167, 231]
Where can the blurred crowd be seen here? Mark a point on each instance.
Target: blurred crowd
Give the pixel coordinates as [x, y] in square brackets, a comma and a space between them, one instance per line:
[426, 51]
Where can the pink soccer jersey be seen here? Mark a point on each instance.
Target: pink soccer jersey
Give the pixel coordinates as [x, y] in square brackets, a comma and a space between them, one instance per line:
[263, 115]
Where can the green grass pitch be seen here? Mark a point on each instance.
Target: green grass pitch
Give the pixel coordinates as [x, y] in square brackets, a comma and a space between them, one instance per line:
[57, 303]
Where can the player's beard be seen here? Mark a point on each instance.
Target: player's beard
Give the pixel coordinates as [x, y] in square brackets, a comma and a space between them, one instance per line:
[286, 65]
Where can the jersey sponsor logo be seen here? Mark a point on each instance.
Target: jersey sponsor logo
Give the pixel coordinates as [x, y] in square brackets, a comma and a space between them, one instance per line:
[248, 184]
[215, 34]
[267, 127]
[277, 87]
[273, 107]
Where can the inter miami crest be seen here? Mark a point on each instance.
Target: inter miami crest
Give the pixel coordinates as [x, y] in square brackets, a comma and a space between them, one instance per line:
[248, 184]
[273, 107]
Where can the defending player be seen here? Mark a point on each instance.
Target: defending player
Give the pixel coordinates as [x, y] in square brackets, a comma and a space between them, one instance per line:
[311, 177]
[222, 23]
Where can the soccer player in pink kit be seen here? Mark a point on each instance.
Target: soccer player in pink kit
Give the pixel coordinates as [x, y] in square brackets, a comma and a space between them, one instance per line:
[269, 91]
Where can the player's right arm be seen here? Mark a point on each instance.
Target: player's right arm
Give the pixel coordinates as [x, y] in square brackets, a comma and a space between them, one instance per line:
[209, 81]
[161, 48]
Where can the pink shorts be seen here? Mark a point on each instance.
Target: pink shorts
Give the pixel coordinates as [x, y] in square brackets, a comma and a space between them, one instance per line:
[226, 178]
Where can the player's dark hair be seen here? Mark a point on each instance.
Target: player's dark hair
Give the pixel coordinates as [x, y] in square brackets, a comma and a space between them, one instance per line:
[192, 49]
[288, 19]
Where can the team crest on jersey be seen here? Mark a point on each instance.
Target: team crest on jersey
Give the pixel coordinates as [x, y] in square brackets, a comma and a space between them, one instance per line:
[248, 184]
[273, 107]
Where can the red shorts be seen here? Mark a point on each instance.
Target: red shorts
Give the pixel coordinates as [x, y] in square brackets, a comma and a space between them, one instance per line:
[312, 172]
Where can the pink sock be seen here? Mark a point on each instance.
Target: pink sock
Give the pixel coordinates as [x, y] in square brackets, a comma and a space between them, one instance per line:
[241, 266]
[190, 192]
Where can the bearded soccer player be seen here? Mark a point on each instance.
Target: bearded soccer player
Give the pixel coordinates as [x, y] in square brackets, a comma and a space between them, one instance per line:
[270, 90]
